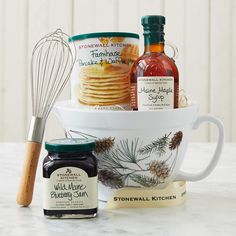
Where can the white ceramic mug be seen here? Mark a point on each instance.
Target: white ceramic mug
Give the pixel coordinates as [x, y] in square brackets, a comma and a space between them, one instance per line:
[139, 149]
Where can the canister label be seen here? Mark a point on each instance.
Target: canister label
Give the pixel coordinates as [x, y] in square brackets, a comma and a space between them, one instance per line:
[70, 188]
[101, 75]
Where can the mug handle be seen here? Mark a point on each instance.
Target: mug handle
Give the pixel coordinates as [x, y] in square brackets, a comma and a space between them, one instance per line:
[211, 166]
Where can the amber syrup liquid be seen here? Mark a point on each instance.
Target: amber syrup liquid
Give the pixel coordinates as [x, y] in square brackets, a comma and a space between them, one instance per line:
[154, 62]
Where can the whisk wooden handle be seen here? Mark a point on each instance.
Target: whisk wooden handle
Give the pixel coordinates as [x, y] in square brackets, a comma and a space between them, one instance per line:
[25, 192]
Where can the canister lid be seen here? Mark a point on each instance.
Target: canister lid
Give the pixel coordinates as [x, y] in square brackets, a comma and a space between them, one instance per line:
[70, 145]
[103, 34]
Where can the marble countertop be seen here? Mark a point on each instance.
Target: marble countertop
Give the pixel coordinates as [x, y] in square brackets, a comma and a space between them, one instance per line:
[210, 208]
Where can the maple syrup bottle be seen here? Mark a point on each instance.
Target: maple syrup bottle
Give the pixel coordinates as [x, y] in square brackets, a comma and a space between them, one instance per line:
[154, 76]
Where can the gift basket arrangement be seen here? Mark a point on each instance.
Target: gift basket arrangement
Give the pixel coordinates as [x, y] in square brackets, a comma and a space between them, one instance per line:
[127, 125]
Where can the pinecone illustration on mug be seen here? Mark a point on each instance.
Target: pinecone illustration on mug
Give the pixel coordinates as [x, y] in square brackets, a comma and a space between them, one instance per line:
[159, 169]
[104, 144]
[110, 179]
[176, 140]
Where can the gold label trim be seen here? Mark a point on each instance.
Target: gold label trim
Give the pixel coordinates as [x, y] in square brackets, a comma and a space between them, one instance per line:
[174, 194]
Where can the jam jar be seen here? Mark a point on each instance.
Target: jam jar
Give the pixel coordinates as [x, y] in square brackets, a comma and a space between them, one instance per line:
[70, 179]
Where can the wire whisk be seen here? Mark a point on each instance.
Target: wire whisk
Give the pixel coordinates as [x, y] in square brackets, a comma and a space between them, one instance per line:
[51, 66]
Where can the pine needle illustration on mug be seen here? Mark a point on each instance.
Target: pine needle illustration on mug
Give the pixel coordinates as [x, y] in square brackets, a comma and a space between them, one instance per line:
[121, 163]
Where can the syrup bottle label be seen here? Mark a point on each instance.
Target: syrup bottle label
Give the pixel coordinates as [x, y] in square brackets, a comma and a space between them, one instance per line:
[155, 92]
[70, 188]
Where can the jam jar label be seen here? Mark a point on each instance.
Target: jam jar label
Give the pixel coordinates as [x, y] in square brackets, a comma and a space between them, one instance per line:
[155, 92]
[70, 188]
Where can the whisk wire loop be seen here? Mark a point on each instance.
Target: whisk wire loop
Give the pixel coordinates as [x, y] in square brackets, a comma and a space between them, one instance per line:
[51, 66]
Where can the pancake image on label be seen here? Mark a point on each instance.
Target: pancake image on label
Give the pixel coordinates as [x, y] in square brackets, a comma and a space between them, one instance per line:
[104, 85]
[106, 70]
[117, 39]
[112, 88]
[130, 54]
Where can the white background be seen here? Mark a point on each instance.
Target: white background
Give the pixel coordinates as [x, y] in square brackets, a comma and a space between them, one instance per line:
[203, 30]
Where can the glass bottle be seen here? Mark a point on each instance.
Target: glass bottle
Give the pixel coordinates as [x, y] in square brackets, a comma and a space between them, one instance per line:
[154, 76]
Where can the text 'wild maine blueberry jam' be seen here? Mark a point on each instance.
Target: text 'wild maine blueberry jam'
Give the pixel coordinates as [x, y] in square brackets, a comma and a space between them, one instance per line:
[70, 179]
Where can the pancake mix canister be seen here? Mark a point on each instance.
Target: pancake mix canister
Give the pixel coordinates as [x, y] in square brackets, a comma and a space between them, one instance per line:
[101, 75]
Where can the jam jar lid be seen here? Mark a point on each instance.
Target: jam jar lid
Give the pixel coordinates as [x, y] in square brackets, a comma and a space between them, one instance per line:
[70, 145]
